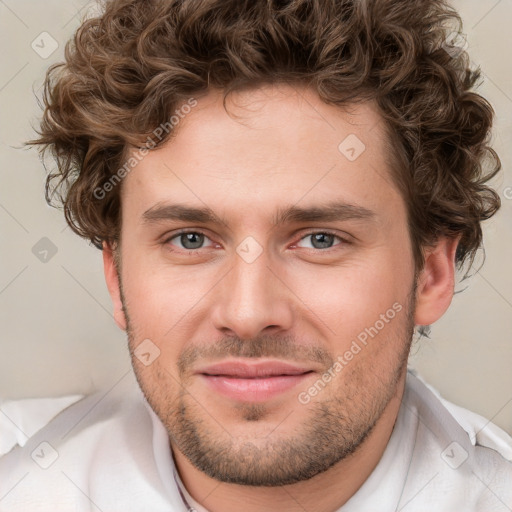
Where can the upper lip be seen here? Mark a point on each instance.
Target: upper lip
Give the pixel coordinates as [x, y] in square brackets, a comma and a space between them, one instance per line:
[253, 369]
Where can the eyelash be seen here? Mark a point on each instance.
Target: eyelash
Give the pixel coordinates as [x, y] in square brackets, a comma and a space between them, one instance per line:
[343, 241]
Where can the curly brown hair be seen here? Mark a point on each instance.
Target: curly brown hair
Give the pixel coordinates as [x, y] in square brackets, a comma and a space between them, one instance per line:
[128, 69]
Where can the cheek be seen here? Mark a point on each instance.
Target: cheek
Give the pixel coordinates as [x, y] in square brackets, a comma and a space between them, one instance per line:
[354, 293]
[149, 284]
[362, 303]
[164, 303]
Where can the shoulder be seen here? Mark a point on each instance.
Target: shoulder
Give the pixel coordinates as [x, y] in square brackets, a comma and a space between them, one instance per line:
[91, 452]
[461, 456]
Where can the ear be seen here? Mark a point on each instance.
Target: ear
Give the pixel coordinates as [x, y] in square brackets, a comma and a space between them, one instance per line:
[112, 279]
[436, 282]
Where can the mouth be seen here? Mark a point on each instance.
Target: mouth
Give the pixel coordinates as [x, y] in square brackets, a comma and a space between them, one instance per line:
[254, 382]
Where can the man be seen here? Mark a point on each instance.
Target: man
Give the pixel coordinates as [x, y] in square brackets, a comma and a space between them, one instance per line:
[282, 192]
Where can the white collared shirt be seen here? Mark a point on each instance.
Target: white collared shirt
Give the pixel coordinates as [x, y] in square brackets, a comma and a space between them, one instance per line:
[110, 452]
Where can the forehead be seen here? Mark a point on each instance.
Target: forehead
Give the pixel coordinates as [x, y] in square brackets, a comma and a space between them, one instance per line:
[273, 145]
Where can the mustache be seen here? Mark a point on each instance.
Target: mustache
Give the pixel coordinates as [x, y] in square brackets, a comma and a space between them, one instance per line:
[282, 347]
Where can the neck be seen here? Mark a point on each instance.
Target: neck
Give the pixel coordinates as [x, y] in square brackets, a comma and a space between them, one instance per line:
[311, 494]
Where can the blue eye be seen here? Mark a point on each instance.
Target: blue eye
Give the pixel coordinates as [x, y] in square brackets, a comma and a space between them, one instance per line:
[321, 239]
[189, 240]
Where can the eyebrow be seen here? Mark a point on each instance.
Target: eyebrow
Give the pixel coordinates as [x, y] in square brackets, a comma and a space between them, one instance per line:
[331, 212]
[165, 211]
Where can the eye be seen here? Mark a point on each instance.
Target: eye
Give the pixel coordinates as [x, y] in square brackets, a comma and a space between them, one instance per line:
[189, 240]
[321, 240]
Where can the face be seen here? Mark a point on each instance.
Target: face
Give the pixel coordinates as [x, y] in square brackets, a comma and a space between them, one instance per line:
[274, 330]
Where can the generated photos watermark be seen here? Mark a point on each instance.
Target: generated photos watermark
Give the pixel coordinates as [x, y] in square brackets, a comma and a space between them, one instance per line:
[151, 143]
[356, 346]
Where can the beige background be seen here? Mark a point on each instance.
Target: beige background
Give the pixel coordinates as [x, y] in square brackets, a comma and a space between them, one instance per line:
[58, 335]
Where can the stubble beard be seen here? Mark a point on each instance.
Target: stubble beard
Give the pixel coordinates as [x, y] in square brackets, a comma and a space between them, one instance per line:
[336, 425]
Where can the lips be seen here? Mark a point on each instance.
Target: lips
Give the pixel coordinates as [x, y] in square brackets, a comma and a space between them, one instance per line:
[255, 381]
[242, 370]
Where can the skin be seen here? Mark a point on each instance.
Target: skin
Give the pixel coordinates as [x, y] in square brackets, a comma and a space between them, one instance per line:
[297, 301]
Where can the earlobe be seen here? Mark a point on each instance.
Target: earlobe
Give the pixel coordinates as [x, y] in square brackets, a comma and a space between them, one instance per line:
[112, 280]
[436, 282]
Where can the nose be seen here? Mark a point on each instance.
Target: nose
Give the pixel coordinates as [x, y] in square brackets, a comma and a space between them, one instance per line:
[251, 299]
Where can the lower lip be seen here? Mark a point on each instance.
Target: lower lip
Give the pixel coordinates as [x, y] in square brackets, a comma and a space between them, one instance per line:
[253, 390]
